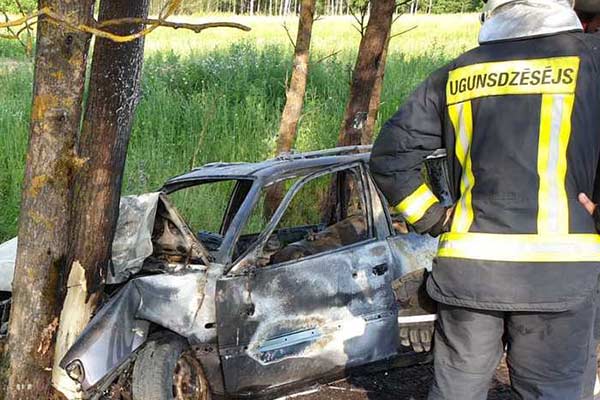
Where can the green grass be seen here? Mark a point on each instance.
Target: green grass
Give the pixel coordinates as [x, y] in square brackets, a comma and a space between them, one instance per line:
[217, 96]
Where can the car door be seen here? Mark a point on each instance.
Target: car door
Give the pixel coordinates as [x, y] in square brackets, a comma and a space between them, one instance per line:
[310, 317]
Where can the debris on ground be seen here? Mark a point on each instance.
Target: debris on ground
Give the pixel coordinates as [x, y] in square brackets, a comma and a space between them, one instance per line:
[410, 383]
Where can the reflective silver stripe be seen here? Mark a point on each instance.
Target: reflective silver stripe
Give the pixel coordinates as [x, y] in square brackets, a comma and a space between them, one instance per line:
[462, 120]
[551, 173]
[555, 131]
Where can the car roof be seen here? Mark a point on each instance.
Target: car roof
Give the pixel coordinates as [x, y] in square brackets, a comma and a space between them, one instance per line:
[273, 169]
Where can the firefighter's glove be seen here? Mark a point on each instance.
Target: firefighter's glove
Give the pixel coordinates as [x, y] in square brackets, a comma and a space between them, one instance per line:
[418, 336]
[413, 301]
[444, 223]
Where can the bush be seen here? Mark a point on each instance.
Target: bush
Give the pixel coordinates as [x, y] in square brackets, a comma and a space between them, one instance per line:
[11, 7]
[456, 6]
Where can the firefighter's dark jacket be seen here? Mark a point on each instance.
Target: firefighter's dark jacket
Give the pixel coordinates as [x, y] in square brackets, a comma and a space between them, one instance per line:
[520, 121]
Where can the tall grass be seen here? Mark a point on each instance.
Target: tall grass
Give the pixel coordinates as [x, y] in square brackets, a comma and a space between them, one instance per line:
[218, 96]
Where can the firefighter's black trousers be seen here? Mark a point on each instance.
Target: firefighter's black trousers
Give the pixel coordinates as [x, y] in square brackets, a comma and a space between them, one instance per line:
[550, 356]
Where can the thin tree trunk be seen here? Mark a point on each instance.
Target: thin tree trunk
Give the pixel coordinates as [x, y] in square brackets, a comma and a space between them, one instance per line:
[251, 8]
[113, 96]
[364, 78]
[370, 55]
[367, 135]
[287, 7]
[60, 67]
[294, 95]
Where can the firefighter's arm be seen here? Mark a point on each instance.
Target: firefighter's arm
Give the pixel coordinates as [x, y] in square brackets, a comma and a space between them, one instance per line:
[404, 142]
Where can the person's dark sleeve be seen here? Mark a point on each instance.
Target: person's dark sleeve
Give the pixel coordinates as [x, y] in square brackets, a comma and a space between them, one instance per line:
[593, 43]
[404, 142]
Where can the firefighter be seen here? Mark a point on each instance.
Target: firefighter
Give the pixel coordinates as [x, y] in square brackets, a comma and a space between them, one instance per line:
[519, 257]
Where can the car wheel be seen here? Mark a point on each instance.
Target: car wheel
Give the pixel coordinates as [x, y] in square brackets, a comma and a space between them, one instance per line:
[166, 369]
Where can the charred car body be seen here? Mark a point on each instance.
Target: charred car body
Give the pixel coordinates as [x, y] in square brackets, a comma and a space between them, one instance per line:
[257, 305]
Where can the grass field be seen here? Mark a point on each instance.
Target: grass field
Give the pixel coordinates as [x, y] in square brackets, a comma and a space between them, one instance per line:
[218, 96]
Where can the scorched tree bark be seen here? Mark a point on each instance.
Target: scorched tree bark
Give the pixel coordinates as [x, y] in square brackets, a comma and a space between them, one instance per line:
[113, 96]
[375, 102]
[371, 54]
[60, 66]
[364, 77]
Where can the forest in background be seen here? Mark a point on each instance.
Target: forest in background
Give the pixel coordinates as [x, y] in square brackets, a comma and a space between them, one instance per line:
[85, 142]
[281, 7]
[218, 96]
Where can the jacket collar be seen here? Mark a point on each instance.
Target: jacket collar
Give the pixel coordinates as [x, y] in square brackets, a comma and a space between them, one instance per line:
[529, 18]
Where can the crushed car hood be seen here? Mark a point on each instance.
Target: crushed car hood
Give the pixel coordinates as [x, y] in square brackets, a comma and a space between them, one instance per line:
[148, 226]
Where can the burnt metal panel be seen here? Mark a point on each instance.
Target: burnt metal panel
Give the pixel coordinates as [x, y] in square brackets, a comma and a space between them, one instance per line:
[269, 170]
[306, 319]
[412, 252]
[4, 316]
[173, 301]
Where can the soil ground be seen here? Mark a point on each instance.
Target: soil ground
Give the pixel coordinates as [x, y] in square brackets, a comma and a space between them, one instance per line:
[410, 383]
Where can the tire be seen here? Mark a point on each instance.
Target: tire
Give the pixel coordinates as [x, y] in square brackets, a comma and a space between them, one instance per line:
[165, 369]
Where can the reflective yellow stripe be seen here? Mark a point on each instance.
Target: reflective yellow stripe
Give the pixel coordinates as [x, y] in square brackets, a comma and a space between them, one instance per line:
[416, 205]
[555, 131]
[523, 248]
[562, 208]
[461, 116]
[540, 76]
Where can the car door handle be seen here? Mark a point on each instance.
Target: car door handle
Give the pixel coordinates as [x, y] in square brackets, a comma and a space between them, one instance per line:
[380, 269]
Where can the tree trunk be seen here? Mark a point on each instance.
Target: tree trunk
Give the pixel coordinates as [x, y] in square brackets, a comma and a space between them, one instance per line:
[367, 136]
[60, 67]
[364, 78]
[294, 95]
[113, 96]
[370, 55]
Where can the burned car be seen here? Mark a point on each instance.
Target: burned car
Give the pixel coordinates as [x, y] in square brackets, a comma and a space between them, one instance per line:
[256, 303]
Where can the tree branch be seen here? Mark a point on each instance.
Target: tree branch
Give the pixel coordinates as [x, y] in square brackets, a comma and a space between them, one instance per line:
[404, 31]
[289, 35]
[169, 24]
[326, 57]
[151, 24]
